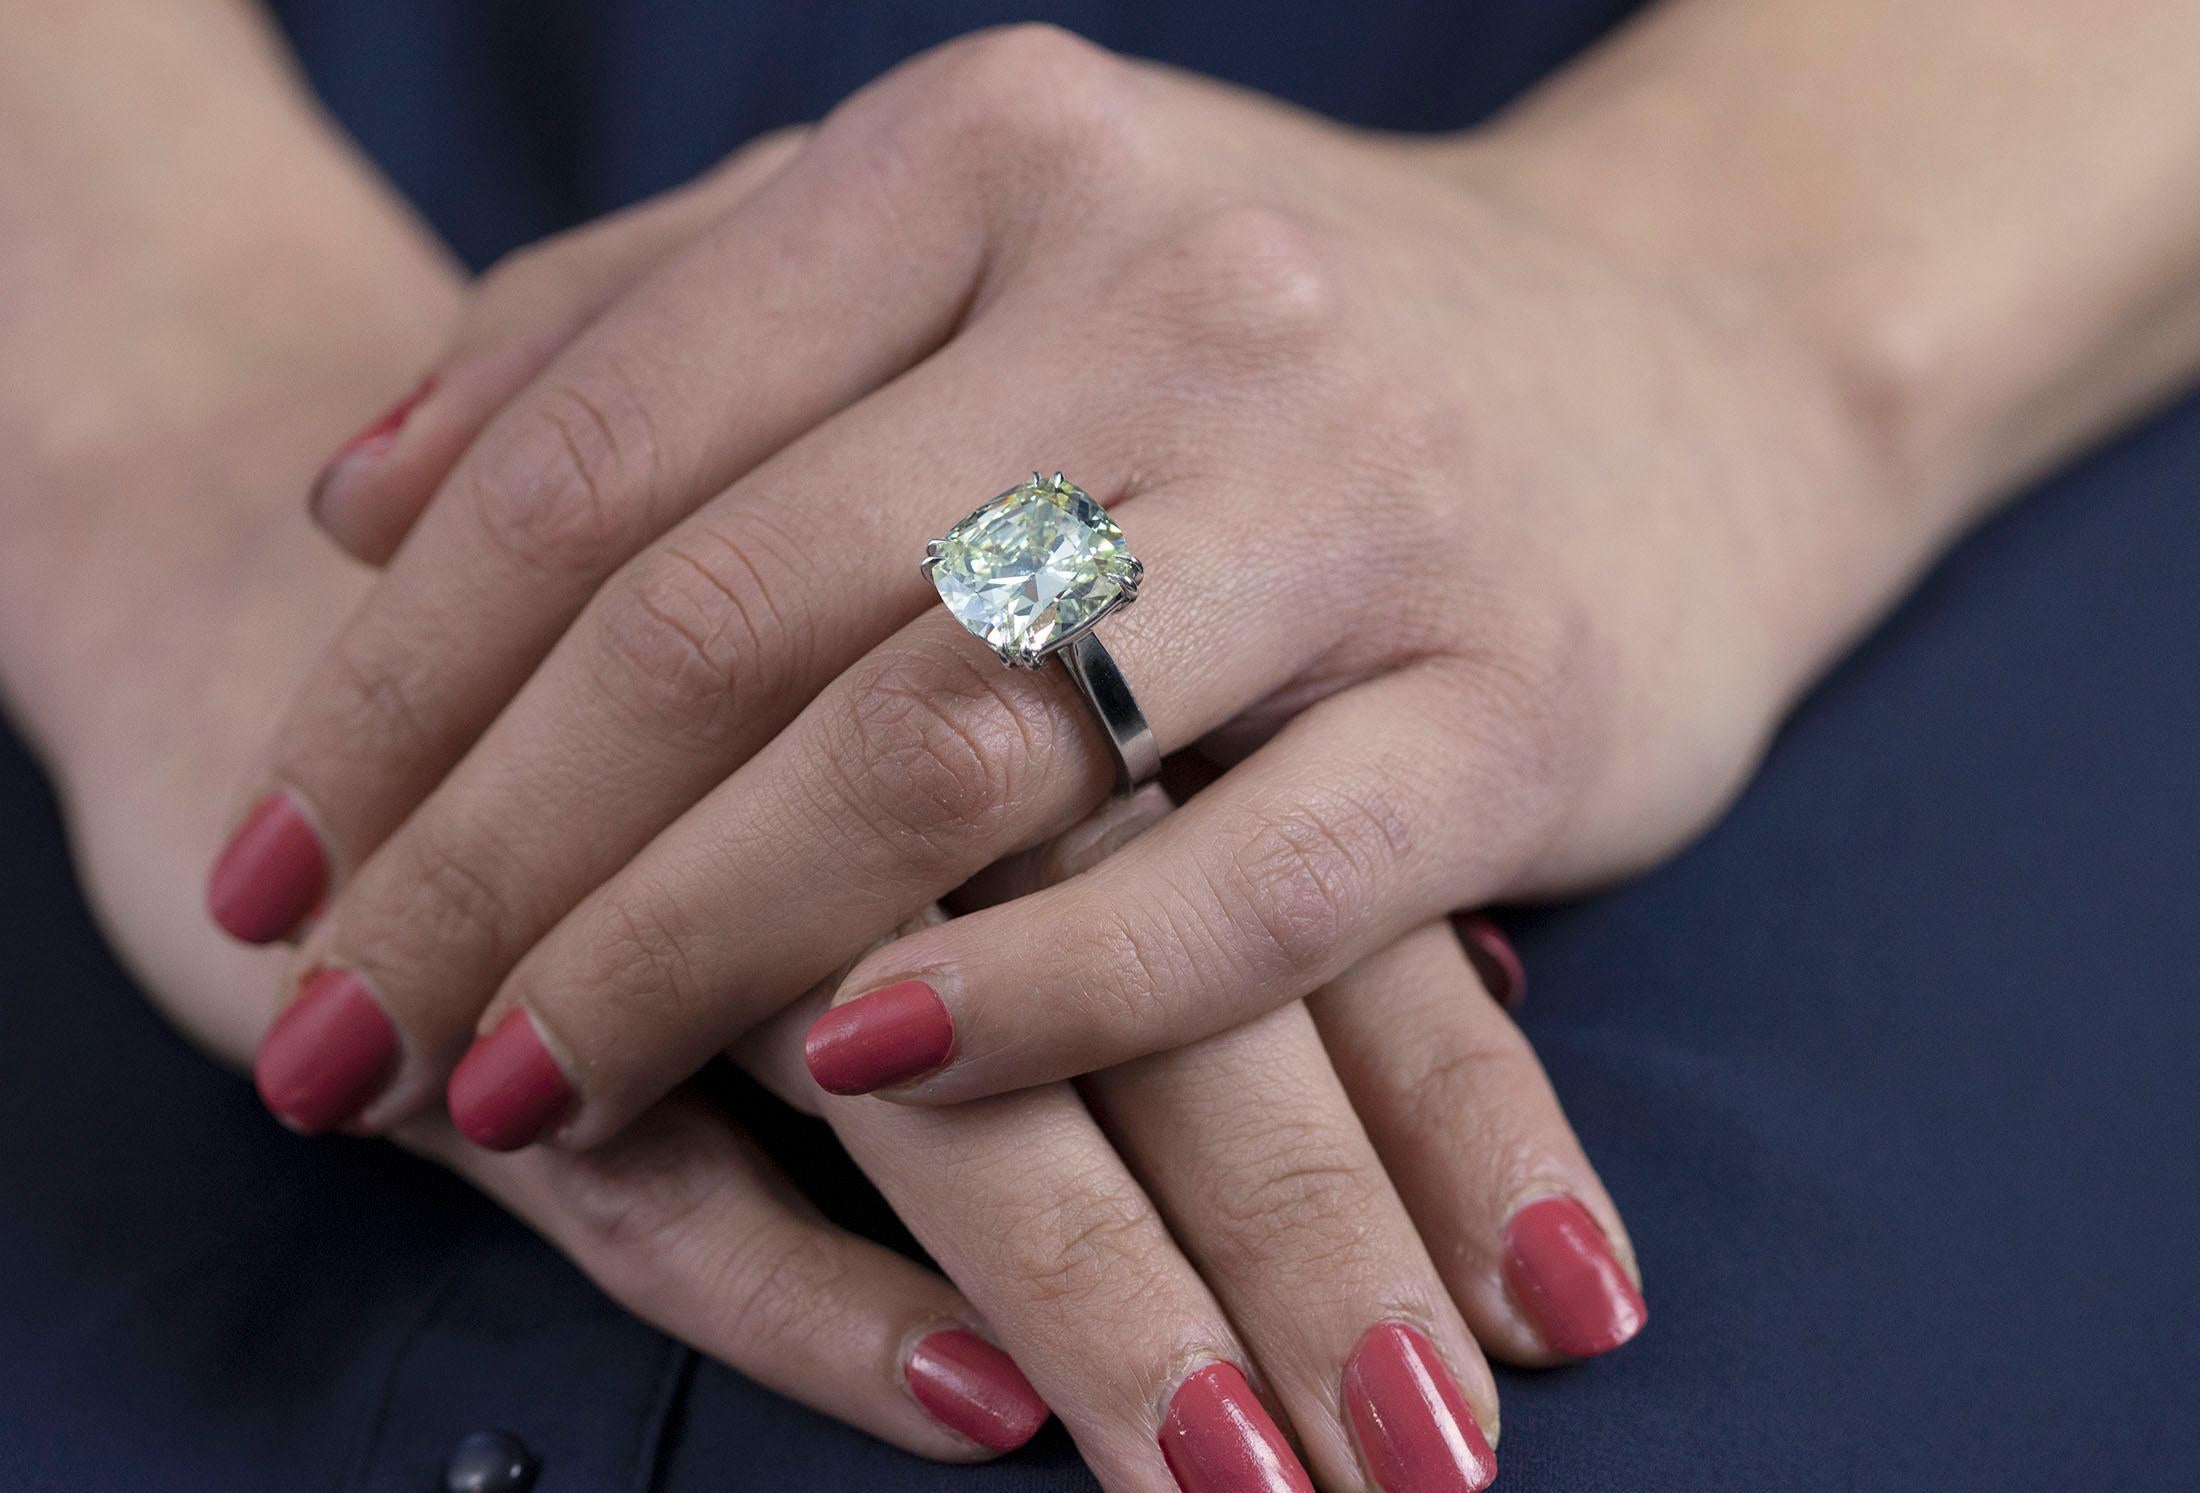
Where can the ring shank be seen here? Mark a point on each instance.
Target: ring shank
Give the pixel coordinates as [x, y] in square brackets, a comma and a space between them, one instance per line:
[1137, 754]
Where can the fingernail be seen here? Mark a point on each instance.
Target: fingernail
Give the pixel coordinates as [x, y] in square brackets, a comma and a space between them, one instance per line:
[972, 1387]
[329, 1053]
[1415, 1431]
[270, 875]
[1563, 1274]
[1218, 1438]
[507, 1091]
[878, 1040]
[378, 436]
[1495, 960]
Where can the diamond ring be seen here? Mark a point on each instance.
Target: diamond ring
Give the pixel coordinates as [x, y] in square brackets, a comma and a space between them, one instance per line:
[1031, 574]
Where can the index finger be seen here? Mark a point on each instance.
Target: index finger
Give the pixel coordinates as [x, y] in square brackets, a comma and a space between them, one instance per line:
[708, 366]
[518, 317]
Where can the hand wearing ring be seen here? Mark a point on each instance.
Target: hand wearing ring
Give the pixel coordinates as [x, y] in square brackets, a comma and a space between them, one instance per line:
[651, 723]
[1479, 573]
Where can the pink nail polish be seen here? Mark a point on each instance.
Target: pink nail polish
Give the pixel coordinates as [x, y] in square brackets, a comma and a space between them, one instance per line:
[1415, 1430]
[973, 1388]
[508, 1091]
[881, 1039]
[390, 421]
[270, 875]
[1218, 1438]
[328, 1055]
[1495, 960]
[378, 435]
[1562, 1272]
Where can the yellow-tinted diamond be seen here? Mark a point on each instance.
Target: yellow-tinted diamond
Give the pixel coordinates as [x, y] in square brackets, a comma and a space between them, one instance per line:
[1033, 568]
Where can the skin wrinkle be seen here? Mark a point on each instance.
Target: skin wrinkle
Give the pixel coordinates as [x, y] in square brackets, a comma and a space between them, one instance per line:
[904, 714]
[574, 507]
[702, 662]
[444, 886]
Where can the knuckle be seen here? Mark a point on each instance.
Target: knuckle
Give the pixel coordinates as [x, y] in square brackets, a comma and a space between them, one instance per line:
[1134, 960]
[1017, 99]
[782, 1286]
[1310, 1203]
[454, 897]
[1240, 283]
[1480, 1099]
[645, 962]
[379, 702]
[636, 1202]
[936, 747]
[1083, 1240]
[687, 634]
[566, 492]
[650, 1222]
[1029, 54]
[1306, 873]
[1457, 1079]
[999, 79]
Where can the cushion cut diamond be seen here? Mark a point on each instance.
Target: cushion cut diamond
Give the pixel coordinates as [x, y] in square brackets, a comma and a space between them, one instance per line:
[1033, 568]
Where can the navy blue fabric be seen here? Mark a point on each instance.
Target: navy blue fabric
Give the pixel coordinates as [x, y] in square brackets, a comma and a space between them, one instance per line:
[1892, 1073]
[508, 119]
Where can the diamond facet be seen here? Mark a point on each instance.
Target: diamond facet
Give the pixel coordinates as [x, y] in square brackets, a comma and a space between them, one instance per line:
[1034, 568]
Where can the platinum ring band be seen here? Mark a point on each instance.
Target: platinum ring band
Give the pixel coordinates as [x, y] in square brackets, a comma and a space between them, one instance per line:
[1137, 754]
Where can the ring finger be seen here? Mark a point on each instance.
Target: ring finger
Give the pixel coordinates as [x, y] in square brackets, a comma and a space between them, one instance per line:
[923, 763]
[687, 662]
[603, 451]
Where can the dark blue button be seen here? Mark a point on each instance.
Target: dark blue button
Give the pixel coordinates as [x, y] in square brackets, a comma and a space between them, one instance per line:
[490, 1462]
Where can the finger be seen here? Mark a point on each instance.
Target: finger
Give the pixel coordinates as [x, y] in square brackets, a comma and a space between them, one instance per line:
[1467, 1126]
[686, 1225]
[687, 662]
[923, 763]
[1126, 1383]
[691, 659]
[518, 317]
[1024, 1203]
[1110, 827]
[1359, 821]
[1496, 963]
[1249, 1145]
[705, 368]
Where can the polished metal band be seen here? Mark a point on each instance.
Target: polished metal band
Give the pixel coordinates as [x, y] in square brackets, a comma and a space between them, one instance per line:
[1137, 754]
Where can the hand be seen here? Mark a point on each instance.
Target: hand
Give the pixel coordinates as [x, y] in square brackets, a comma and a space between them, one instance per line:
[1133, 1253]
[186, 606]
[190, 318]
[1493, 560]
[1194, 1234]
[1436, 1120]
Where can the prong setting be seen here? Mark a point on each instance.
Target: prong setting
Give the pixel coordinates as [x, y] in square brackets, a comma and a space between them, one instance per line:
[1034, 570]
